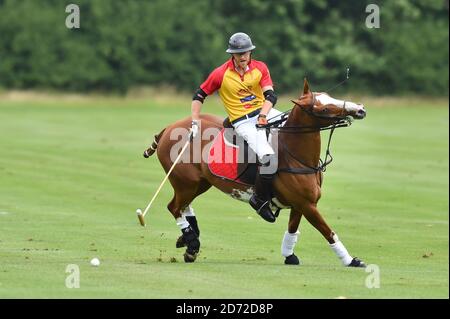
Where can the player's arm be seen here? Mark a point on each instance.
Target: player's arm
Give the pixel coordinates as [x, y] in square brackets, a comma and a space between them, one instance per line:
[197, 102]
[270, 101]
[208, 87]
[196, 107]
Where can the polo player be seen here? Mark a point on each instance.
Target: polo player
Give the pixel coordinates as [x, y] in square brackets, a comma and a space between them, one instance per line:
[246, 90]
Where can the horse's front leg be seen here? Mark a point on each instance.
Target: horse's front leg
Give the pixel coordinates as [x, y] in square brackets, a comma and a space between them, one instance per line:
[312, 214]
[290, 238]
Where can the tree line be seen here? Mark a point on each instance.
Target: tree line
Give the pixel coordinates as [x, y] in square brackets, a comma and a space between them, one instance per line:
[128, 43]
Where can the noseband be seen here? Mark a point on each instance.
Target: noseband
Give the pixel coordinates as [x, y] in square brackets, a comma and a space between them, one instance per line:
[310, 111]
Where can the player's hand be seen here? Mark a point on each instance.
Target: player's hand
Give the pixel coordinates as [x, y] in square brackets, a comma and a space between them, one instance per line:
[262, 119]
[194, 128]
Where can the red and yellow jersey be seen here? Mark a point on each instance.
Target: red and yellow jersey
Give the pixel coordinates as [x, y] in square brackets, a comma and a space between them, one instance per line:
[240, 95]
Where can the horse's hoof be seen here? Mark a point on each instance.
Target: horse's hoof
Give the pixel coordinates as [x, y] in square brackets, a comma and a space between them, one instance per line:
[292, 260]
[357, 263]
[189, 258]
[180, 243]
[146, 155]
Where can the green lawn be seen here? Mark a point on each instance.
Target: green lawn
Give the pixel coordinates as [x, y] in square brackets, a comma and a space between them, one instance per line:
[72, 176]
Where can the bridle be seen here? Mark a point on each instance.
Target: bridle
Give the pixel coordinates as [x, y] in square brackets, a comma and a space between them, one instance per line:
[339, 121]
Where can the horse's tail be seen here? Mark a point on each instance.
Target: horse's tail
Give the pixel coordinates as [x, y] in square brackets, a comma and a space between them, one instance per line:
[149, 151]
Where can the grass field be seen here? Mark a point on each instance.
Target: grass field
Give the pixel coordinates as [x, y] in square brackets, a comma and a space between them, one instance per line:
[72, 176]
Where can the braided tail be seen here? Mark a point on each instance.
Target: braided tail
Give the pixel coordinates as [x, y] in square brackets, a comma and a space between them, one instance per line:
[149, 151]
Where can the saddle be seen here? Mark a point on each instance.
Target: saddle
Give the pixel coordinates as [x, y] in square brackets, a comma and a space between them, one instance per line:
[231, 158]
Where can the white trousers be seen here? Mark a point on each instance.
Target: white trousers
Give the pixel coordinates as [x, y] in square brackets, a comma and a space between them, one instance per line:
[256, 138]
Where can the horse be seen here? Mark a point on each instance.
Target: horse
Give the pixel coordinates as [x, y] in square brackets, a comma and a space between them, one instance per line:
[298, 180]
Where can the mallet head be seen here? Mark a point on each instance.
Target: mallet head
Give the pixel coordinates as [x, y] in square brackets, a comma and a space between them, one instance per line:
[140, 217]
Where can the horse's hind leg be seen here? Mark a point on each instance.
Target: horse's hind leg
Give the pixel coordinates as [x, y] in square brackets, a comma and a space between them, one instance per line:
[188, 224]
[313, 216]
[190, 237]
[290, 238]
[189, 214]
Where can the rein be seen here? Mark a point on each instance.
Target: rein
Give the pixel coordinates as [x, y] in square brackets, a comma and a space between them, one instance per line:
[340, 122]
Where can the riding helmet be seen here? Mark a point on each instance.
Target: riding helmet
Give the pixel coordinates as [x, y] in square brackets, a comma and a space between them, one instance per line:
[240, 43]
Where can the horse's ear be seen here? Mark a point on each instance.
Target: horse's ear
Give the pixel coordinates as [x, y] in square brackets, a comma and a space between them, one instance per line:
[297, 102]
[306, 89]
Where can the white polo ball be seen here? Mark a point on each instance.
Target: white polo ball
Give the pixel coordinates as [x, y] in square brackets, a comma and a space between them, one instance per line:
[138, 211]
[95, 262]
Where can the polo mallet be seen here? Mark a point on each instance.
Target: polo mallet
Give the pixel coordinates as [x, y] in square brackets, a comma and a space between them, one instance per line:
[139, 212]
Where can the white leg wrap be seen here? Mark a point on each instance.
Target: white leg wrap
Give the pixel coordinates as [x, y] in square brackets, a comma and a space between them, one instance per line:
[340, 251]
[182, 222]
[288, 244]
[188, 211]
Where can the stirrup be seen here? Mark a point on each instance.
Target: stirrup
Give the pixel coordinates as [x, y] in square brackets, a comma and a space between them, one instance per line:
[277, 212]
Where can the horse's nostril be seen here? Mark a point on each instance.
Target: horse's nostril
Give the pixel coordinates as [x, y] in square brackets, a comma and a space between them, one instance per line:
[361, 113]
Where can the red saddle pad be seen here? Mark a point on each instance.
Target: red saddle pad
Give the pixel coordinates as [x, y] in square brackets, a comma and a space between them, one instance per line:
[223, 158]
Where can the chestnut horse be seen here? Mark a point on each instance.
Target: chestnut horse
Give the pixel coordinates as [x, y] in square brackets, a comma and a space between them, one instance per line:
[297, 184]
